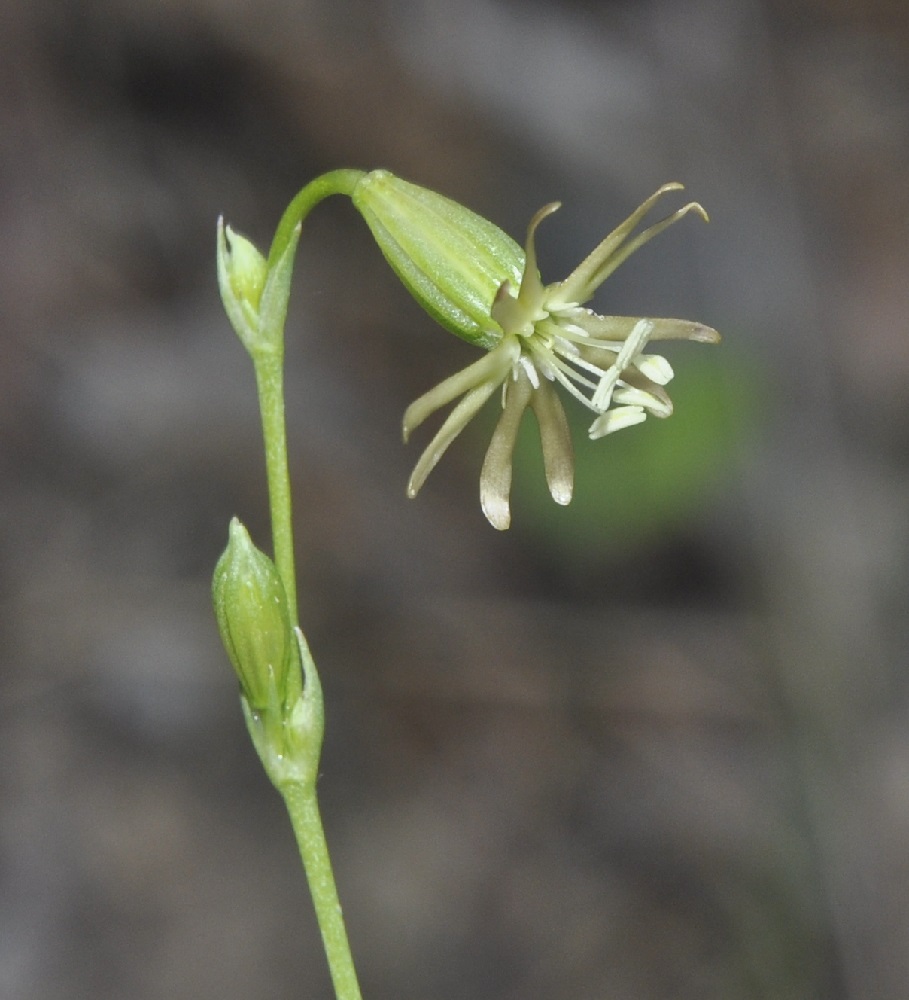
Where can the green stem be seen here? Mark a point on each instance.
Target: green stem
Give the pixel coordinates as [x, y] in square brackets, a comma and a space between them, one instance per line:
[269, 365]
[268, 361]
[307, 823]
[334, 182]
[270, 383]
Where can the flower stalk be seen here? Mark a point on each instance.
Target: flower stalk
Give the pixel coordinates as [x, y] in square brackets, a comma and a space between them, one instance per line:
[255, 599]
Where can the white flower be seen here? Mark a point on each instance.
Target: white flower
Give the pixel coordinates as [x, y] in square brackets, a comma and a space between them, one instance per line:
[549, 339]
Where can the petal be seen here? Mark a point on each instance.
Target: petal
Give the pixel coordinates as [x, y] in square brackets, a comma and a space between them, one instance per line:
[616, 420]
[683, 329]
[457, 420]
[590, 324]
[617, 328]
[622, 254]
[589, 274]
[492, 367]
[555, 437]
[495, 476]
[530, 293]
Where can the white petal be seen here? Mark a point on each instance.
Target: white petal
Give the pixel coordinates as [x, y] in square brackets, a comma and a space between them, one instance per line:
[495, 476]
[454, 424]
[555, 437]
[490, 368]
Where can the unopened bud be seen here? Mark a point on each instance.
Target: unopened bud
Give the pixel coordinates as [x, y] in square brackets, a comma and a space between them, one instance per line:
[247, 269]
[254, 621]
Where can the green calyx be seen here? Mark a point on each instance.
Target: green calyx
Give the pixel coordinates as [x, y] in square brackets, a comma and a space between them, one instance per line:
[450, 259]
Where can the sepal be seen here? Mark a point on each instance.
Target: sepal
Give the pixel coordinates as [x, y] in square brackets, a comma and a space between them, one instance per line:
[451, 260]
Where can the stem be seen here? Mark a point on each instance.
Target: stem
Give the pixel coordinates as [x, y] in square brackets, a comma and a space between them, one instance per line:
[269, 366]
[334, 182]
[299, 796]
[270, 384]
[307, 823]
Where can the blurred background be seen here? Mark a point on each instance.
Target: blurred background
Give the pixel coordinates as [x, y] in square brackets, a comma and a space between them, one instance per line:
[651, 745]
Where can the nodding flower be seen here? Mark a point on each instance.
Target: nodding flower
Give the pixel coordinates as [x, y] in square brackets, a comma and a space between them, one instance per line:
[479, 284]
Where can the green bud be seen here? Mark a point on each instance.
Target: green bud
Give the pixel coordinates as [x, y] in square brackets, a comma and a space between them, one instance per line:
[248, 269]
[241, 267]
[254, 294]
[254, 621]
[450, 259]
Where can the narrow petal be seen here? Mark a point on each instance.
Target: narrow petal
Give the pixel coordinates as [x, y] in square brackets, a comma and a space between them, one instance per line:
[581, 283]
[591, 324]
[459, 417]
[492, 367]
[617, 328]
[623, 253]
[616, 420]
[531, 291]
[555, 437]
[683, 329]
[495, 476]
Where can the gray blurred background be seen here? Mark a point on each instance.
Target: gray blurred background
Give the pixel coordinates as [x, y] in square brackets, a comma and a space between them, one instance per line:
[653, 745]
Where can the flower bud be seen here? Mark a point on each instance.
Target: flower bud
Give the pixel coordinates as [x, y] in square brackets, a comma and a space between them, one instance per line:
[246, 268]
[254, 621]
[450, 259]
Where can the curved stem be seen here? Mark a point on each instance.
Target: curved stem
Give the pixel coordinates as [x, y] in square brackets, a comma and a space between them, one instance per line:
[303, 809]
[269, 366]
[334, 182]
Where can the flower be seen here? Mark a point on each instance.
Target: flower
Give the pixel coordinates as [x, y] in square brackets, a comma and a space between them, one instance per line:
[544, 337]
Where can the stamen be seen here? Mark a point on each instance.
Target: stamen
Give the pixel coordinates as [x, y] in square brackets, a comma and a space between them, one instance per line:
[589, 366]
[655, 367]
[616, 420]
[632, 346]
[532, 374]
[632, 396]
[566, 377]
[564, 346]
